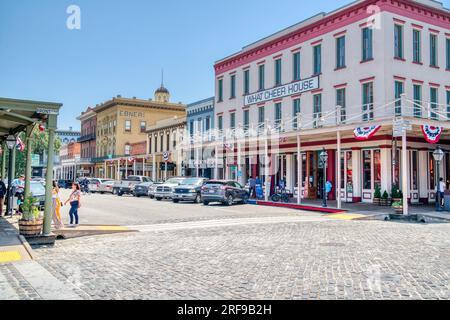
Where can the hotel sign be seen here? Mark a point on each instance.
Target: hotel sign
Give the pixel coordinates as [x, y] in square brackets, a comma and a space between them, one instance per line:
[283, 91]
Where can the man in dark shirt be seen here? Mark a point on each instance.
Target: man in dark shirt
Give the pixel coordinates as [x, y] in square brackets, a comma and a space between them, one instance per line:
[2, 195]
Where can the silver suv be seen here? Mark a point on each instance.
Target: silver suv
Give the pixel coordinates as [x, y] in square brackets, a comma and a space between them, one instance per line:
[165, 190]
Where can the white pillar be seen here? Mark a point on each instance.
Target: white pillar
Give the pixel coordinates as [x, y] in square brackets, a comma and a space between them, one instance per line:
[423, 174]
[143, 166]
[386, 170]
[339, 164]
[118, 170]
[240, 177]
[290, 174]
[104, 171]
[404, 173]
[299, 171]
[216, 160]
[134, 167]
[266, 168]
[356, 164]
[197, 165]
[154, 168]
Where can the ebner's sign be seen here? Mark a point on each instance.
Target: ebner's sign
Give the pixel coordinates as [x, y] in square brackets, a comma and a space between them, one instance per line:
[283, 91]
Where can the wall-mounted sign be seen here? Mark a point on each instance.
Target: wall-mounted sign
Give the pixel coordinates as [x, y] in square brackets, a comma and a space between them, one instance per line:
[131, 114]
[46, 111]
[283, 91]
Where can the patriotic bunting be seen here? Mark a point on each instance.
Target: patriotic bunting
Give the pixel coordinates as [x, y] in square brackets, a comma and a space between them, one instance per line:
[432, 134]
[365, 133]
[20, 145]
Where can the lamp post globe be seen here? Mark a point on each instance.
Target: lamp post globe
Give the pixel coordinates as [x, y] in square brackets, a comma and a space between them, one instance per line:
[438, 155]
[11, 141]
[324, 158]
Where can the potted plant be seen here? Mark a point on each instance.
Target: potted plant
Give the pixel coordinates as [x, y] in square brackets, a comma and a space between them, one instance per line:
[377, 195]
[31, 222]
[385, 199]
[396, 194]
[398, 206]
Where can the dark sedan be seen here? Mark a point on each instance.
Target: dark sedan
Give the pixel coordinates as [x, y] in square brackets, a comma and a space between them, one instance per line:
[189, 190]
[225, 191]
[141, 189]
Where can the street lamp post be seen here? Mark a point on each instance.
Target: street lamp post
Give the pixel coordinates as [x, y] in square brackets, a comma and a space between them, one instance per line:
[438, 155]
[324, 158]
[10, 143]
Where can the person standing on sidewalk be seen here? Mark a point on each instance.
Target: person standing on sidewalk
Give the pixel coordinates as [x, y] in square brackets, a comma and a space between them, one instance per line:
[75, 203]
[252, 187]
[56, 207]
[2, 195]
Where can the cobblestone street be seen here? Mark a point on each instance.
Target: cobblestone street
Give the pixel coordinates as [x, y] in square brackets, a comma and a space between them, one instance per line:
[311, 257]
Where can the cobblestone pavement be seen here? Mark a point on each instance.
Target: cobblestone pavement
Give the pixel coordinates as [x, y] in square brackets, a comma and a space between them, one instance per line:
[311, 259]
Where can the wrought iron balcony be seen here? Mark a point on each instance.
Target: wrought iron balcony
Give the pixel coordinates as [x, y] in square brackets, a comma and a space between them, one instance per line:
[87, 137]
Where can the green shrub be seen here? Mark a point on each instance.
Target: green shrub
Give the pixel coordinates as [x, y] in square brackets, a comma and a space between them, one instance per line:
[377, 193]
[385, 195]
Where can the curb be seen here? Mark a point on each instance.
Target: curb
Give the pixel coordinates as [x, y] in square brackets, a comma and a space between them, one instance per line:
[27, 246]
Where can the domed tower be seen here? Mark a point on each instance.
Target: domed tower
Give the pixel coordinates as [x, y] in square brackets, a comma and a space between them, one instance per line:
[162, 94]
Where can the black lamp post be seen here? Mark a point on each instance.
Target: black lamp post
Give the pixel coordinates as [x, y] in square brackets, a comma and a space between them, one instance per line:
[438, 155]
[10, 143]
[324, 158]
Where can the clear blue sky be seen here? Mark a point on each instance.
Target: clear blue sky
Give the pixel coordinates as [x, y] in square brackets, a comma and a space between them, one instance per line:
[123, 44]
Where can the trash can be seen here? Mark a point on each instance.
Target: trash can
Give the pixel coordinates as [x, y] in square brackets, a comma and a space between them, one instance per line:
[447, 200]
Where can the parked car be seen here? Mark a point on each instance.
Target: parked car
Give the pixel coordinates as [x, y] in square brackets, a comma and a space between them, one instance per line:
[127, 186]
[152, 189]
[141, 189]
[106, 186]
[189, 190]
[64, 184]
[94, 184]
[225, 191]
[38, 192]
[165, 190]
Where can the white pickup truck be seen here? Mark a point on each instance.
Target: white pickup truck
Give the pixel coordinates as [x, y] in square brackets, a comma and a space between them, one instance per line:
[127, 185]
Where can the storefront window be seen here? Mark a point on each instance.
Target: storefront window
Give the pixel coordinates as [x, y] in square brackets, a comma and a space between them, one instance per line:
[342, 182]
[414, 171]
[377, 167]
[349, 169]
[367, 172]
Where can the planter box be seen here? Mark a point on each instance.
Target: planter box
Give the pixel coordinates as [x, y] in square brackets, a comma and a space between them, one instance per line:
[398, 210]
[376, 201]
[30, 228]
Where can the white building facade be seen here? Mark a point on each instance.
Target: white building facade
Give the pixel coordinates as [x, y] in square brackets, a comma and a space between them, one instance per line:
[311, 85]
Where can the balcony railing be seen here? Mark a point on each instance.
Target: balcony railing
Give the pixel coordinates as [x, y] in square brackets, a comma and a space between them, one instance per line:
[87, 137]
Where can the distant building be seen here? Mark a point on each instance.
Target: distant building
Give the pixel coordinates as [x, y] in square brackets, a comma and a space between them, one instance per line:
[88, 141]
[68, 136]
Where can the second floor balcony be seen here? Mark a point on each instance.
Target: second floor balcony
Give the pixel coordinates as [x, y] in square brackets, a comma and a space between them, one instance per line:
[87, 137]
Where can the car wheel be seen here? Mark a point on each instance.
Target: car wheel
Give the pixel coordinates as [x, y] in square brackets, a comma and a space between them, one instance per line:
[158, 199]
[152, 197]
[175, 200]
[205, 203]
[198, 199]
[102, 192]
[230, 200]
[120, 193]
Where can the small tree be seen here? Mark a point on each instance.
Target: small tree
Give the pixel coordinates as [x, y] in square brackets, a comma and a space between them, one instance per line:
[377, 193]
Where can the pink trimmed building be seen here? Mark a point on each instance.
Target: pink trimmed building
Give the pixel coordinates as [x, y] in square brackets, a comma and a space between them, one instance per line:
[370, 63]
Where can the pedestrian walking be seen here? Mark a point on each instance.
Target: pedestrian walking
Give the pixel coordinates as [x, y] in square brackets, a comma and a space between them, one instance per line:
[442, 188]
[252, 187]
[2, 195]
[75, 203]
[56, 207]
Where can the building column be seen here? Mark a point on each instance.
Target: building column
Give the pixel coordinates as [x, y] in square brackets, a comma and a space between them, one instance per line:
[386, 168]
[11, 173]
[48, 186]
[28, 159]
[338, 170]
[423, 176]
[118, 170]
[356, 164]
[216, 162]
[3, 169]
[299, 171]
[405, 173]
[331, 170]
[266, 169]
[290, 172]
[154, 168]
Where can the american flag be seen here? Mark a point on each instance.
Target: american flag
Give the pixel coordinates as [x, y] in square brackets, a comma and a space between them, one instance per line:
[20, 145]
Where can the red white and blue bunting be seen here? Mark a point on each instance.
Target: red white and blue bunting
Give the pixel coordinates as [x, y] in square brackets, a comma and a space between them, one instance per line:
[20, 145]
[432, 134]
[365, 133]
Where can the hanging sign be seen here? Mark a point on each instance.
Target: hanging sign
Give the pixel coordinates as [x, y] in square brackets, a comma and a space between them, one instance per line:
[365, 133]
[228, 146]
[166, 156]
[432, 134]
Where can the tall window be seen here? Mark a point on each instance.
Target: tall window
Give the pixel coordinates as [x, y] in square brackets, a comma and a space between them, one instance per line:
[341, 101]
[367, 44]
[156, 144]
[247, 81]
[127, 149]
[367, 99]
[191, 127]
[317, 53]
[233, 86]
[367, 169]
[417, 92]
[296, 66]
[127, 125]
[447, 45]
[232, 120]
[295, 111]
[417, 55]
[278, 113]
[168, 141]
[433, 50]
[398, 41]
[448, 105]
[317, 109]
[261, 116]
[340, 52]
[246, 118]
[261, 70]
[143, 126]
[399, 89]
[278, 72]
[220, 122]
[161, 143]
[220, 90]
[207, 123]
[433, 102]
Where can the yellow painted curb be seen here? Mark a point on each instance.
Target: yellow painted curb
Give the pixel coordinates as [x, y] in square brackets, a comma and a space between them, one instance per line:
[346, 216]
[9, 256]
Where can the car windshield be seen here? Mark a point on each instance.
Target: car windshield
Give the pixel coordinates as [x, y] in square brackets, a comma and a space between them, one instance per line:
[192, 181]
[216, 182]
[37, 188]
[133, 178]
[145, 184]
[174, 181]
